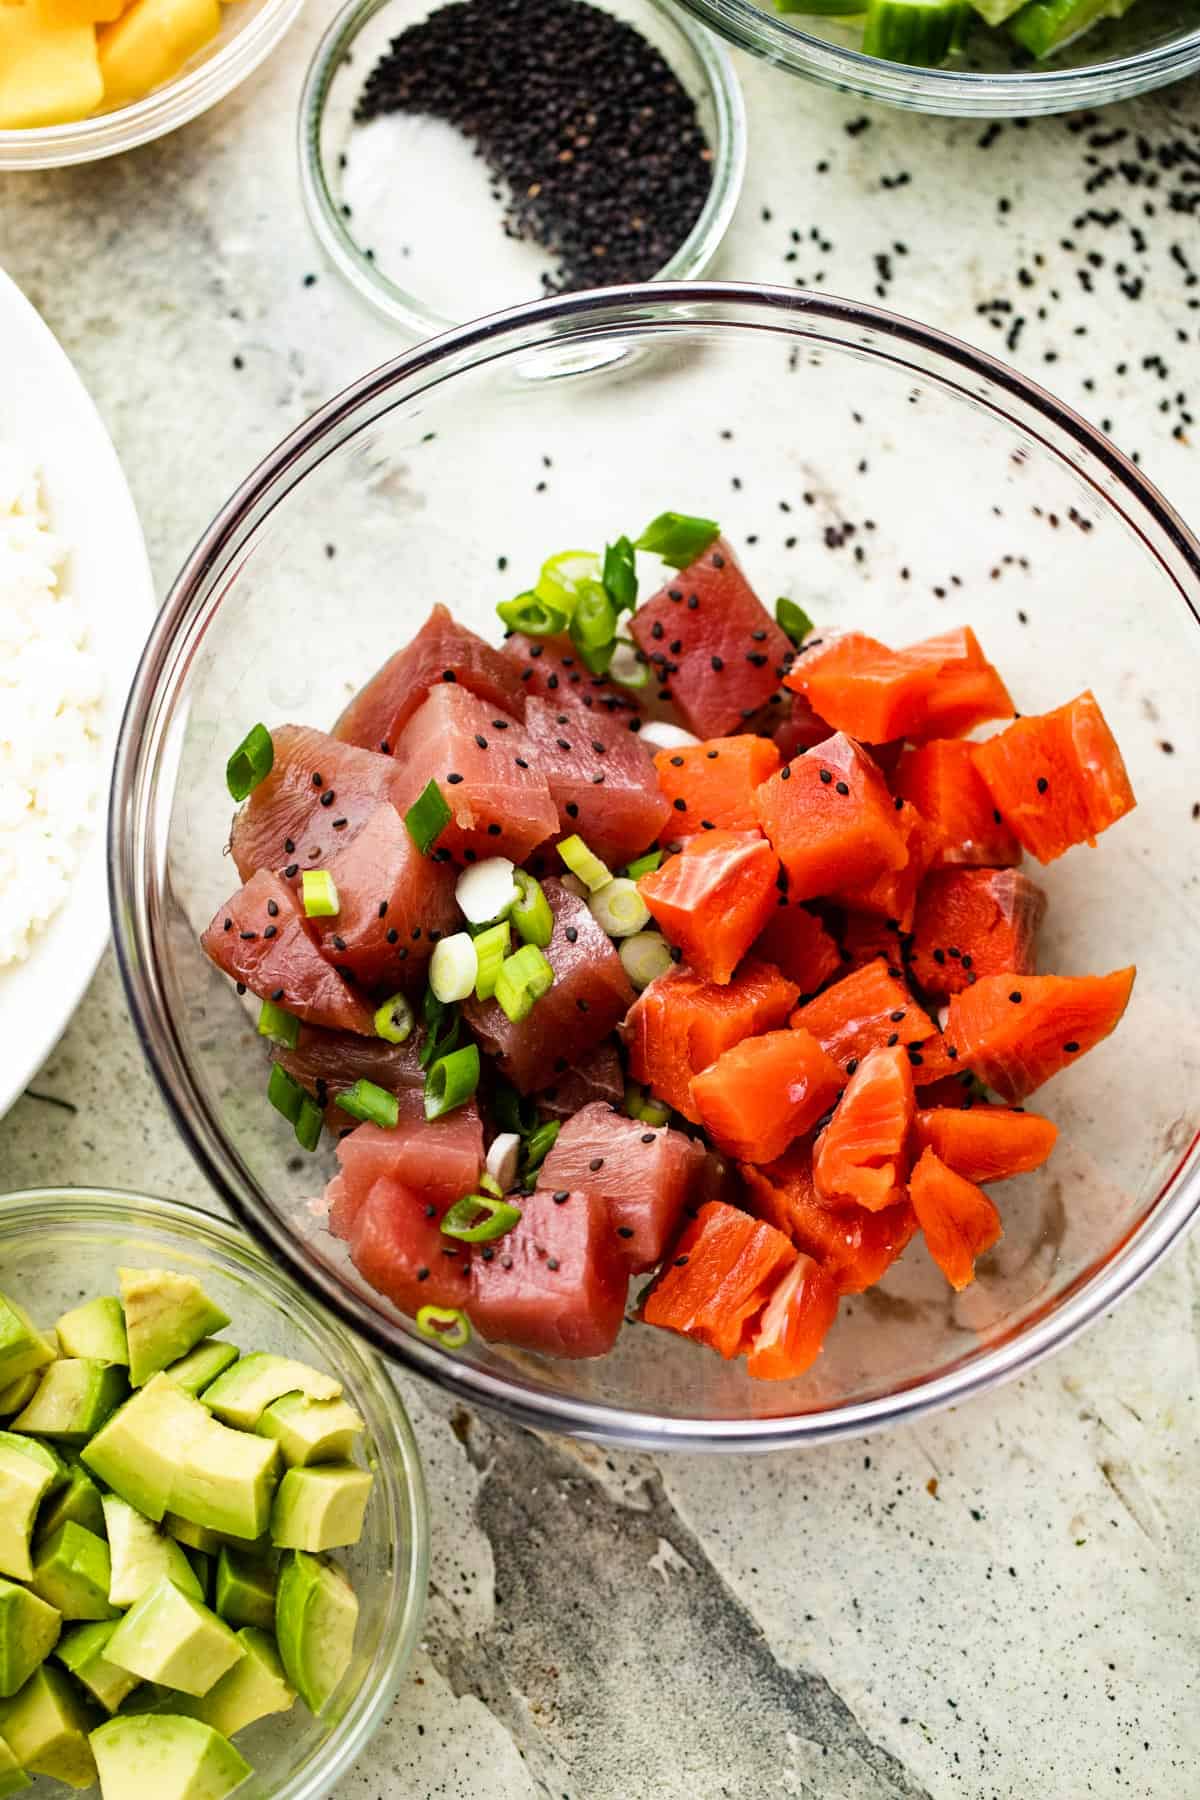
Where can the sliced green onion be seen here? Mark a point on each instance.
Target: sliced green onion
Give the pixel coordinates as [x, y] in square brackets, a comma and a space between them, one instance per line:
[319, 892]
[531, 912]
[503, 1160]
[486, 890]
[620, 574]
[451, 1081]
[594, 622]
[250, 763]
[793, 619]
[539, 1144]
[524, 977]
[638, 1104]
[645, 865]
[285, 1093]
[441, 1028]
[309, 1123]
[366, 1100]
[453, 967]
[480, 1218]
[394, 1021]
[492, 945]
[565, 577]
[533, 616]
[628, 666]
[618, 908]
[489, 1185]
[579, 859]
[644, 957]
[678, 538]
[512, 1111]
[446, 1325]
[281, 1027]
[427, 817]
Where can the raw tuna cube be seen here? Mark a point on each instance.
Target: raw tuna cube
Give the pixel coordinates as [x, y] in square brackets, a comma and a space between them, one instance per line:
[394, 904]
[486, 768]
[973, 922]
[714, 898]
[319, 794]
[591, 993]
[556, 1282]
[597, 1076]
[442, 651]
[722, 657]
[602, 781]
[831, 820]
[327, 1062]
[681, 1023]
[646, 1177]
[397, 1244]
[261, 938]
[439, 1158]
[551, 667]
[722, 1273]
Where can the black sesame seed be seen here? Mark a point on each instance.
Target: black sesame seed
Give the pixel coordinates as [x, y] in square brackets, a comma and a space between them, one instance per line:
[716, 663]
[785, 774]
[852, 1065]
[624, 1231]
[383, 907]
[897, 1016]
[277, 996]
[317, 781]
[272, 909]
[649, 1137]
[327, 797]
[1071, 1048]
[1042, 784]
[826, 777]
[571, 933]
[679, 805]
[893, 1040]
[289, 847]
[454, 779]
[1015, 996]
[842, 788]
[271, 931]
[493, 830]
[393, 936]
[481, 740]
[571, 810]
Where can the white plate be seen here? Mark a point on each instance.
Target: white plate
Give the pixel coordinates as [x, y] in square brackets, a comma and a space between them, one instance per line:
[46, 410]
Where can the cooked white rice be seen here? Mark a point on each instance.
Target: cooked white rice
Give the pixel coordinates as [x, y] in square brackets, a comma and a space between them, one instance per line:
[50, 689]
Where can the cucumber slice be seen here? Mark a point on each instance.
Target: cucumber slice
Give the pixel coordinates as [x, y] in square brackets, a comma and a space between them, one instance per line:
[1045, 26]
[920, 32]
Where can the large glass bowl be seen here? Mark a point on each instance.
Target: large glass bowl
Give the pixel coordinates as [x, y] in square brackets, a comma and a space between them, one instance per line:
[59, 1246]
[1156, 42]
[879, 473]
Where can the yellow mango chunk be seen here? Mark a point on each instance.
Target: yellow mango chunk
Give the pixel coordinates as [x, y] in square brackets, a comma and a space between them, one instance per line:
[81, 12]
[151, 42]
[49, 72]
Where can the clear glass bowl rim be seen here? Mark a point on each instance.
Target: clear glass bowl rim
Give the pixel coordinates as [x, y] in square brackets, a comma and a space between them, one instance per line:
[407, 309]
[110, 133]
[956, 93]
[49, 1209]
[134, 801]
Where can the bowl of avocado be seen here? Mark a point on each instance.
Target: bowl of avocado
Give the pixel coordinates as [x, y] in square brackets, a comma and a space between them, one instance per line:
[213, 1528]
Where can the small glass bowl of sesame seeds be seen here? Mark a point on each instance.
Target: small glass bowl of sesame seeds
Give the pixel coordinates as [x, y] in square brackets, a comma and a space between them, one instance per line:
[456, 159]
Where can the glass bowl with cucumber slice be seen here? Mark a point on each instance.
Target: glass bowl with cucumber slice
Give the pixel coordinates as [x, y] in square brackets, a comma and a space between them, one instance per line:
[970, 58]
[213, 1531]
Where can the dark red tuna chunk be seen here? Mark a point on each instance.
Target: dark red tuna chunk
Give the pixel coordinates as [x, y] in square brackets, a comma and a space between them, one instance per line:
[487, 771]
[713, 643]
[397, 1244]
[328, 1062]
[261, 938]
[440, 1158]
[597, 1076]
[552, 667]
[442, 651]
[591, 993]
[556, 1282]
[646, 1176]
[392, 898]
[602, 781]
[318, 795]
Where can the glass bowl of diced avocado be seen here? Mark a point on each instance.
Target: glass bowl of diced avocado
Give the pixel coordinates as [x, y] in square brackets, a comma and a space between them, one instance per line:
[84, 79]
[971, 58]
[213, 1531]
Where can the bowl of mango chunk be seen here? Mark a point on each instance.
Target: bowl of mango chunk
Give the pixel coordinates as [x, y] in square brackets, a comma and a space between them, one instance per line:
[83, 79]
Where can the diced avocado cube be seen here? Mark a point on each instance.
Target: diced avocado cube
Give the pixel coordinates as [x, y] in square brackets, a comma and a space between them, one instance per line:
[193, 1537]
[142, 1555]
[251, 1690]
[166, 1315]
[201, 1366]
[23, 1347]
[74, 1398]
[240, 1395]
[78, 1499]
[12, 1776]
[71, 1571]
[45, 1454]
[81, 1649]
[316, 1616]
[164, 1756]
[28, 1633]
[23, 1483]
[46, 1727]
[170, 1637]
[322, 1507]
[138, 1452]
[203, 1568]
[311, 1431]
[19, 1393]
[245, 1592]
[96, 1330]
[226, 1479]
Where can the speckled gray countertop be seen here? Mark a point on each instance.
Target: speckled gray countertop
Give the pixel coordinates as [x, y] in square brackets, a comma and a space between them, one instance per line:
[999, 1602]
